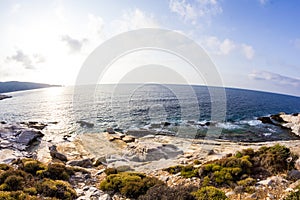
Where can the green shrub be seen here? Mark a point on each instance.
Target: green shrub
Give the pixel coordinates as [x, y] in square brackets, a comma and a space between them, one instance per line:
[187, 171]
[56, 171]
[18, 195]
[210, 193]
[274, 158]
[129, 184]
[33, 166]
[56, 188]
[4, 167]
[164, 192]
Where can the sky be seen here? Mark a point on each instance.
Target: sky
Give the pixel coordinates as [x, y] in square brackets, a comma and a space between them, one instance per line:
[254, 44]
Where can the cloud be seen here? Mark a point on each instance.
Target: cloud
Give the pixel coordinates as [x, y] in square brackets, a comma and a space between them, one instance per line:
[95, 24]
[191, 12]
[135, 19]
[275, 78]
[248, 51]
[220, 47]
[73, 44]
[28, 61]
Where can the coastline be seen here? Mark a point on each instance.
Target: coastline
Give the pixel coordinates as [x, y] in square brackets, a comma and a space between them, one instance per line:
[147, 154]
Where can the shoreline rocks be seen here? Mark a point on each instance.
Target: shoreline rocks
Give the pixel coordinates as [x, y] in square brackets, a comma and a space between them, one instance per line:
[2, 96]
[285, 121]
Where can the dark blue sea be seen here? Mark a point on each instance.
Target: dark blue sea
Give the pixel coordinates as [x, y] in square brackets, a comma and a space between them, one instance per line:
[192, 111]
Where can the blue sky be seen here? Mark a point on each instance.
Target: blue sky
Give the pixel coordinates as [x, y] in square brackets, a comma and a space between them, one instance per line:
[255, 44]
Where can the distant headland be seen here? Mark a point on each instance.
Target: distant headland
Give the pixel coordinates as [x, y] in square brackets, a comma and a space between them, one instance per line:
[13, 86]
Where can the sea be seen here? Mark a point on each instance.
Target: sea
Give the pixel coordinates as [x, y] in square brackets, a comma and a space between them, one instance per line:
[178, 110]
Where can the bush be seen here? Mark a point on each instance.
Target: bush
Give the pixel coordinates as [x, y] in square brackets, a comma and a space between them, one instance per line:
[211, 193]
[56, 171]
[164, 192]
[19, 195]
[187, 171]
[33, 166]
[129, 184]
[56, 188]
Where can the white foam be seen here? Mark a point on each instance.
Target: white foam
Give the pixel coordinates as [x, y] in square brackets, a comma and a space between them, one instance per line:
[228, 125]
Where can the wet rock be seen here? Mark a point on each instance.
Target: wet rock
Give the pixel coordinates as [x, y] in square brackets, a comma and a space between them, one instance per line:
[85, 163]
[56, 155]
[266, 120]
[110, 130]
[85, 124]
[27, 137]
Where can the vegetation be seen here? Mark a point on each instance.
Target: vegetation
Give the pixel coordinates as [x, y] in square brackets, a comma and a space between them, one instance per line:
[210, 192]
[32, 179]
[129, 184]
[187, 171]
[159, 192]
[295, 195]
[242, 168]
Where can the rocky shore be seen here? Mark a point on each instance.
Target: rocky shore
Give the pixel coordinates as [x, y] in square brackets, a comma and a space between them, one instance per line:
[287, 121]
[93, 153]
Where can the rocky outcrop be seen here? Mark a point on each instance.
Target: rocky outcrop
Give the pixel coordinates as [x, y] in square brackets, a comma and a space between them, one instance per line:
[18, 136]
[286, 121]
[292, 122]
[4, 96]
[85, 124]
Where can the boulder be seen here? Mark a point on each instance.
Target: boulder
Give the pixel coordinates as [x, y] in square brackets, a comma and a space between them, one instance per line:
[110, 130]
[85, 124]
[27, 137]
[266, 120]
[56, 155]
[85, 163]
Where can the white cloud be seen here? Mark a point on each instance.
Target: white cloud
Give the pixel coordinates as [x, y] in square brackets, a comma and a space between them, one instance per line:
[275, 78]
[248, 51]
[134, 20]
[217, 46]
[28, 61]
[191, 12]
[73, 44]
[95, 24]
[227, 46]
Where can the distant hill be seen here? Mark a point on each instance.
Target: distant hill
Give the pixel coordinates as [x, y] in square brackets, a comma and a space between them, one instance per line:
[12, 86]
